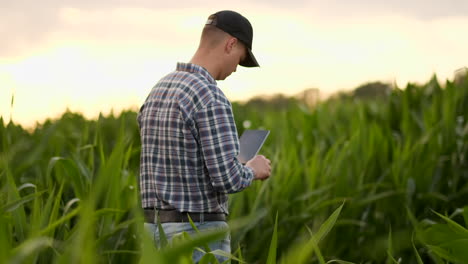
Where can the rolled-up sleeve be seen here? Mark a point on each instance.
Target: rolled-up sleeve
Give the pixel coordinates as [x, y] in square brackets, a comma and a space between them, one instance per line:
[220, 146]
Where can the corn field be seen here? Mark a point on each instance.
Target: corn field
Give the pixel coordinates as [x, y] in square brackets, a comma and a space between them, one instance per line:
[354, 180]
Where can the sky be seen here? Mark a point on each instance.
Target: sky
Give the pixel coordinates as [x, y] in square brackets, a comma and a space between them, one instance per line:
[94, 56]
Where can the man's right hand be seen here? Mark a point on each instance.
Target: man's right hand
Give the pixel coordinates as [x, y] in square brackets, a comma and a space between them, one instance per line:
[261, 167]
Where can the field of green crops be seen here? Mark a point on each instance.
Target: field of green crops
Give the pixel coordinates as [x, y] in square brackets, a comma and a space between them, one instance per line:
[381, 180]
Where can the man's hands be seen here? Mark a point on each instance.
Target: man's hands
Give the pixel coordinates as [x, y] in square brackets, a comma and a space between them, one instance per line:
[261, 167]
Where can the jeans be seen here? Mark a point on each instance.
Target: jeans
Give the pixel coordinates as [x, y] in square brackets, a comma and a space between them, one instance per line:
[172, 229]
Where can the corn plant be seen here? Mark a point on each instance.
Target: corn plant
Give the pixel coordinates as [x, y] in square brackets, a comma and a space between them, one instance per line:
[355, 180]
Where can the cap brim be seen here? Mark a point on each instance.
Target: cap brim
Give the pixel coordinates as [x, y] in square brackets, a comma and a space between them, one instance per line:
[250, 60]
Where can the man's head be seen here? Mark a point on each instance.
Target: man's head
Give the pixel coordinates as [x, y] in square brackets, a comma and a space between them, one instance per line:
[239, 27]
[226, 42]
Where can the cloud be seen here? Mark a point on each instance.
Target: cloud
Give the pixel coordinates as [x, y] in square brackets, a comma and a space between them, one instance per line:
[23, 27]
[27, 24]
[419, 9]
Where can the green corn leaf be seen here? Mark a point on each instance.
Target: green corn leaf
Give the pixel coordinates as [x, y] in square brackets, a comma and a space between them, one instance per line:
[219, 252]
[15, 204]
[208, 258]
[339, 261]
[327, 225]
[416, 253]
[162, 235]
[206, 246]
[30, 247]
[454, 225]
[274, 243]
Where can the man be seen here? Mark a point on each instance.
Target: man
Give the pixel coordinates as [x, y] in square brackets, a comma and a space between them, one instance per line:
[189, 139]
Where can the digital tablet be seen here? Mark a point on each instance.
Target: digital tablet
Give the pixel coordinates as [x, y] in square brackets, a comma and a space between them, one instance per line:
[250, 143]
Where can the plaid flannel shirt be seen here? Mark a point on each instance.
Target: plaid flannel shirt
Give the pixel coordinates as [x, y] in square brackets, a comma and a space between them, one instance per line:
[190, 144]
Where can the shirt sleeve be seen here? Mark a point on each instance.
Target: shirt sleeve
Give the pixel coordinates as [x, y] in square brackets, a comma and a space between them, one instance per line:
[220, 146]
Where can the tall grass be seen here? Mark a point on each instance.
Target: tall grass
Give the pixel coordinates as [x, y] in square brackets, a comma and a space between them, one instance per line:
[69, 189]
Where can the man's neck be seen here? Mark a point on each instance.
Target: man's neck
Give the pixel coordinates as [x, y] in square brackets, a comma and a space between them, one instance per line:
[205, 62]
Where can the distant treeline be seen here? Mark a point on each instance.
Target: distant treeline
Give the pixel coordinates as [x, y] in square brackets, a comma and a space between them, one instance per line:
[310, 97]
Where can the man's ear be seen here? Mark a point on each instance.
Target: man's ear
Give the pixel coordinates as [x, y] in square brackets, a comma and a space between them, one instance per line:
[230, 45]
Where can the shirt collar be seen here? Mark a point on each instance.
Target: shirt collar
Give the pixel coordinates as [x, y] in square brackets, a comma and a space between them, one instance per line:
[190, 67]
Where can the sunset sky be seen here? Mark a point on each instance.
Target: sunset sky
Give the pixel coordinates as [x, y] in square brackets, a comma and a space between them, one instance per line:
[93, 56]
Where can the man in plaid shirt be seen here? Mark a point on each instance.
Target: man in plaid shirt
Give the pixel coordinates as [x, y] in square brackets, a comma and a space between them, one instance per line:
[190, 144]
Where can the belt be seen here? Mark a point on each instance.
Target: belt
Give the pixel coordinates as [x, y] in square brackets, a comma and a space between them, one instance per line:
[173, 216]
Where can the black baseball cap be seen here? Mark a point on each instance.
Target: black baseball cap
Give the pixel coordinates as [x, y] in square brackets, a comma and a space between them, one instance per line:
[239, 27]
